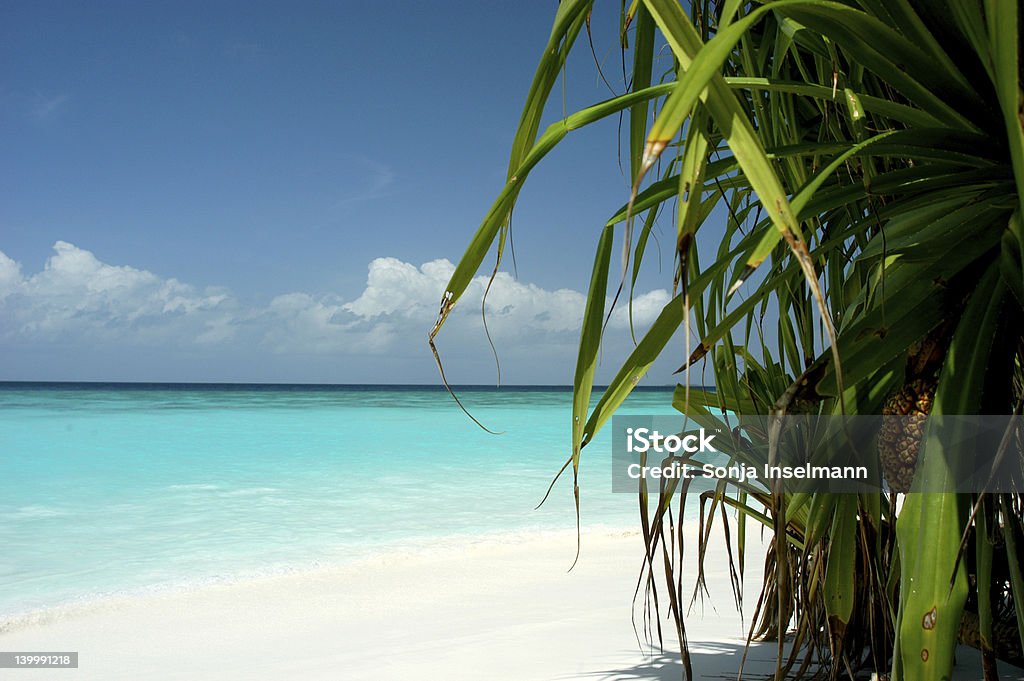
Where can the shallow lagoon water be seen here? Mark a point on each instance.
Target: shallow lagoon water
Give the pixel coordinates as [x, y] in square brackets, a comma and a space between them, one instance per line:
[111, 489]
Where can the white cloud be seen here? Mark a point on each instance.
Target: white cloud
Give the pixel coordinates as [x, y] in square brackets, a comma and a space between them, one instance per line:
[35, 106]
[46, 108]
[646, 308]
[396, 287]
[298, 322]
[78, 297]
[76, 294]
[10, 275]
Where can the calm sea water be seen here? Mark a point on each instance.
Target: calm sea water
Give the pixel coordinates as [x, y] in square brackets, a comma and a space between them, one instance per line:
[109, 489]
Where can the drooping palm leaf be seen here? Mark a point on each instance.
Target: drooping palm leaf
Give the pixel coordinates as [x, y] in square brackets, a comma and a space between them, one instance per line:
[858, 170]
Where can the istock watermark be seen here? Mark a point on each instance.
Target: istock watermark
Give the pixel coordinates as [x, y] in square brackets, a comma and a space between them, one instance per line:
[645, 439]
[839, 454]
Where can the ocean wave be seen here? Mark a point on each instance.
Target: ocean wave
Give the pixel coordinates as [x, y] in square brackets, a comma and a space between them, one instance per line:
[249, 491]
[33, 511]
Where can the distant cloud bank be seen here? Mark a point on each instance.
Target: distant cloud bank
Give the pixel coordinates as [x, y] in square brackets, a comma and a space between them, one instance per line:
[79, 300]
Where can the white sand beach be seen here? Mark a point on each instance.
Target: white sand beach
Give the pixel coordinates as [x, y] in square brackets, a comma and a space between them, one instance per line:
[503, 607]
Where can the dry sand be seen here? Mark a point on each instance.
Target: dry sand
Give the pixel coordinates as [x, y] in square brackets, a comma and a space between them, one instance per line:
[503, 607]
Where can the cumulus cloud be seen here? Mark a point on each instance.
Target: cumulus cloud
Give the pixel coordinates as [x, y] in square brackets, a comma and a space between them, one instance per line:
[396, 287]
[78, 297]
[10, 275]
[645, 309]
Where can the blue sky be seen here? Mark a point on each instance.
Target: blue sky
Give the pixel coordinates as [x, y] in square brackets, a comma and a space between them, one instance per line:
[276, 192]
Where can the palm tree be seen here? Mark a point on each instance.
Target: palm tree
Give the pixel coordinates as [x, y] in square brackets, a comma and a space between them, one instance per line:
[869, 157]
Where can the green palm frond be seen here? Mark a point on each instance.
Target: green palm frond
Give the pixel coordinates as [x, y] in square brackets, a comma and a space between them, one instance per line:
[858, 169]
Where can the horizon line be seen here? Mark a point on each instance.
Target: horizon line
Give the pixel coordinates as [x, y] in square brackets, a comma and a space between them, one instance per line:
[437, 385]
[440, 386]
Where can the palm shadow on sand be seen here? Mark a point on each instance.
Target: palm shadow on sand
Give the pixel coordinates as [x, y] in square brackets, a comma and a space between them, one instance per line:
[714, 661]
[720, 661]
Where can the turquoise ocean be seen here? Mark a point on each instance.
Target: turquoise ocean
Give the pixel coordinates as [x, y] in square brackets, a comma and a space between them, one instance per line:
[116, 489]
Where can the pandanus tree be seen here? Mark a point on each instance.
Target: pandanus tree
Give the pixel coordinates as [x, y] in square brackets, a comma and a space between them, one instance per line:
[858, 168]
